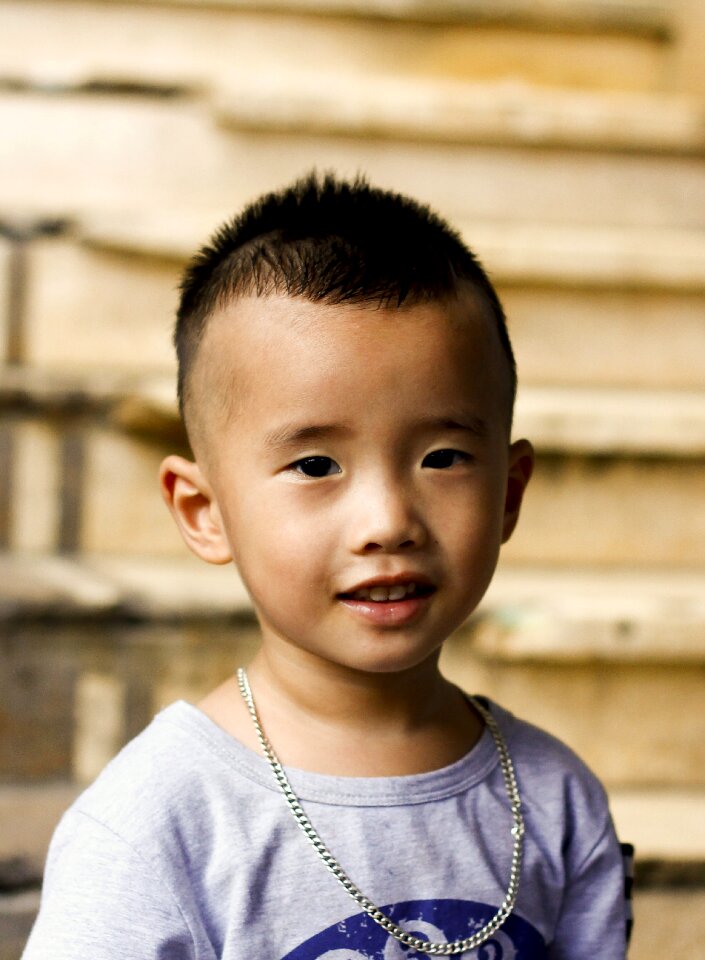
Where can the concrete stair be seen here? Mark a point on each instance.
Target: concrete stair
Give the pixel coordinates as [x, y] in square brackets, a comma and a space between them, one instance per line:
[594, 43]
[586, 654]
[619, 285]
[566, 139]
[593, 656]
[508, 157]
[605, 459]
[444, 101]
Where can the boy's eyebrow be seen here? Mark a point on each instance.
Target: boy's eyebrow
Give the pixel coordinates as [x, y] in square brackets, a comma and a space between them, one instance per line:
[469, 424]
[291, 434]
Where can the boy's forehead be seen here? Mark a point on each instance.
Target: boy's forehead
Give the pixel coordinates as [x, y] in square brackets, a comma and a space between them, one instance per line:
[265, 323]
[242, 340]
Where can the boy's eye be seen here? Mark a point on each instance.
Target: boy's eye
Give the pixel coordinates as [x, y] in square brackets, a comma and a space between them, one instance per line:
[317, 467]
[441, 459]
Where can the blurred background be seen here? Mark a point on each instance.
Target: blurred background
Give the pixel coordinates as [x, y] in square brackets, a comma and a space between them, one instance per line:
[566, 139]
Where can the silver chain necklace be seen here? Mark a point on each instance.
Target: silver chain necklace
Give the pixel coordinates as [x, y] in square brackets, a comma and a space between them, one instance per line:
[421, 946]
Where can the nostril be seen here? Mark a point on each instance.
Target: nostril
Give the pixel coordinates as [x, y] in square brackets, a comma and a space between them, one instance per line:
[404, 545]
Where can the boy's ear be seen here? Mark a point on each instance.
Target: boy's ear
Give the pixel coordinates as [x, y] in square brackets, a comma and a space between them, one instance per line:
[520, 468]
[193, 506]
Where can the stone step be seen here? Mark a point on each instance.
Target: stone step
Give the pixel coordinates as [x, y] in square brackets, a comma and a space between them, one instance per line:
[613, 291]
[29, 814]
[17, 913]
[600, 660]
[667, 830]
[590, 421]
[510, 113]
[619, 479]
[7, 296]
[612, 511]
[629, 17]
[581, 256]
[578, 615]
[668, 920]
[595, 45]
[588, 616]
[92, 647]
[536, 156]
[62, 328]
[666, 827]
[651, 616]
[97, 588]
[605, 422]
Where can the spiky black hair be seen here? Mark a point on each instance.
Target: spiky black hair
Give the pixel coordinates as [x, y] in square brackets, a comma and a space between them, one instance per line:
[330, 241]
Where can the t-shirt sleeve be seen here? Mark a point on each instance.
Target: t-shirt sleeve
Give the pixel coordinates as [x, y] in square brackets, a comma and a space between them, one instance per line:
[593, 917]
[102, 900]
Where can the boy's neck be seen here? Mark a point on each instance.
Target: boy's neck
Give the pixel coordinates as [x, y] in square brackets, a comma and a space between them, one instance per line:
[329, 695]
[346, 723]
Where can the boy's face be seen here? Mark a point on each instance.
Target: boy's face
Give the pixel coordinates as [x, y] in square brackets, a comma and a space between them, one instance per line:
[359, 444]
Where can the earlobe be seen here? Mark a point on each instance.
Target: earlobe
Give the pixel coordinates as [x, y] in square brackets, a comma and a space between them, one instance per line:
[193, 506]
[520, 468]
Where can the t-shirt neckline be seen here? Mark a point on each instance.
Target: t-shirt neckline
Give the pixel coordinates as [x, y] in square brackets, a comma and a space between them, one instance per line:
[440, 784]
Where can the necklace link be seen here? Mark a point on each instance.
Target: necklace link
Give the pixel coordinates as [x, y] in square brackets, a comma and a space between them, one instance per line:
[327, 858]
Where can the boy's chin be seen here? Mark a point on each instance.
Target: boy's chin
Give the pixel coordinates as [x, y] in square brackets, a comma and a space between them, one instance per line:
[388, 662]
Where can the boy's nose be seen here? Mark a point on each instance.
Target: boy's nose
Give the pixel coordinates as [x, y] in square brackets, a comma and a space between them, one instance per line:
[387, 520]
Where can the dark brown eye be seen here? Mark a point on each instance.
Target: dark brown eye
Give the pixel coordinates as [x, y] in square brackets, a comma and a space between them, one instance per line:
[442, 459]
[317, 466]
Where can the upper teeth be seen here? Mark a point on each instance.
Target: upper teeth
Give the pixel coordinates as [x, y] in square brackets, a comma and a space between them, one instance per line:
[396, 592]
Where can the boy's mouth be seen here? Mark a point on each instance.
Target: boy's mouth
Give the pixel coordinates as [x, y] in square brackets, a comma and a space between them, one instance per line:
[394, 591]
[389, 602]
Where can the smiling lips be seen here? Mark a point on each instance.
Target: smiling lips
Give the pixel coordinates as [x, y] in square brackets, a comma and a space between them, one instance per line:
[393, 589]
[390, 600]
[396, 592]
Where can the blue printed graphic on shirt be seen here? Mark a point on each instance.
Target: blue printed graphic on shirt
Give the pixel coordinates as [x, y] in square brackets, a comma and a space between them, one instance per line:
[441, 921]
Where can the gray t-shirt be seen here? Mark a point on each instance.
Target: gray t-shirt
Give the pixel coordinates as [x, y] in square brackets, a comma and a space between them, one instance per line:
[185, 848]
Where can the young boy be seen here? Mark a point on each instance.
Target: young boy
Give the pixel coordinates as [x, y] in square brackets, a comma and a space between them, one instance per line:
[347, 384]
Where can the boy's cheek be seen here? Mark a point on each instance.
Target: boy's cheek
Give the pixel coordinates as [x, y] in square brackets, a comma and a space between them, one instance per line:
[277, 558]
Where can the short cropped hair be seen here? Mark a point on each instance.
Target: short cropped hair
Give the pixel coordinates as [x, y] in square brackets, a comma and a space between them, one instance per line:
[330, 241]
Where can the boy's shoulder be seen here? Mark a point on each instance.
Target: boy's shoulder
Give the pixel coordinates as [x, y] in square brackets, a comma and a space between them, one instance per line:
[166, 777]
[552, 777]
